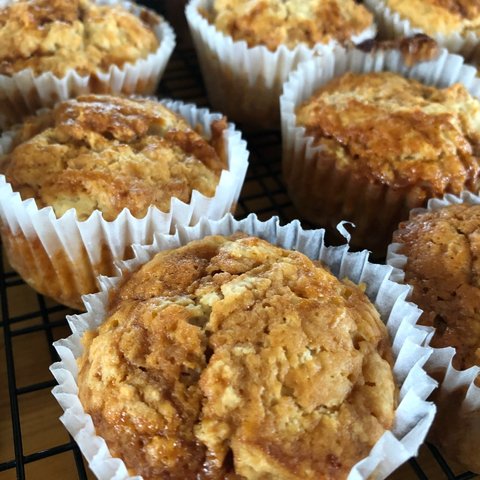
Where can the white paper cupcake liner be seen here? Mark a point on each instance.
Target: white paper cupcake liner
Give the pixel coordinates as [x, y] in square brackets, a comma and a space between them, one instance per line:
[314, 180]
[246, 83]
[73, 253]
[459, 429]
[392, 25]
[25, 92]
[414, 414]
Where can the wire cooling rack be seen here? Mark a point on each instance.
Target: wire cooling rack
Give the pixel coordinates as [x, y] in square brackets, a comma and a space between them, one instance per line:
[33, 443]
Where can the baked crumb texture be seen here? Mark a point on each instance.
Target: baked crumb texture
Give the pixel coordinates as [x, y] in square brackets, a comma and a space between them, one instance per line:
[58, 35]
[443, 252]
[110, 153]
[440, 16]
[398, 131]
[387, 145]
[289, 22]
[230, 358]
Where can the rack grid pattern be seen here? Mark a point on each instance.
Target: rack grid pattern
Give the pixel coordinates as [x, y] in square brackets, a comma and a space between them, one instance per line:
[264, 193]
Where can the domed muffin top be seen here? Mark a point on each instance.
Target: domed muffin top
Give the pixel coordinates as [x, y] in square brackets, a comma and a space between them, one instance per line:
[289, 22]
[110, 153]
[233, 358]
[397, 131]
[440, 16]
[58, 35]
[443, 266]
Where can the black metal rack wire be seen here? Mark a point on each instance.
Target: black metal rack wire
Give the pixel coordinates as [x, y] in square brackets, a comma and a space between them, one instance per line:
[264, 193]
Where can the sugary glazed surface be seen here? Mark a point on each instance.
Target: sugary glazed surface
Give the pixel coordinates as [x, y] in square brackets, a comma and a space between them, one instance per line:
[58, 35]
[230, 358]
[440, 16]
[110, 153]
[397, 132]
[443, 251]
[289, 22]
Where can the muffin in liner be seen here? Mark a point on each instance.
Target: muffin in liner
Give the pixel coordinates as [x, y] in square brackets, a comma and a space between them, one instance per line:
[323, 192]
[392, 25]
[457, 426]
[61, 257]
[246, 83]
[25, 92]
[413, 415]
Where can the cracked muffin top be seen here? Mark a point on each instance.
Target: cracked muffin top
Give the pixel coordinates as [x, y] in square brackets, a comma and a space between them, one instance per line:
[397, 132]
[110, 153]
[443, 267]
[57, 35]
[289, 22]
[231, 358]
[440, 16]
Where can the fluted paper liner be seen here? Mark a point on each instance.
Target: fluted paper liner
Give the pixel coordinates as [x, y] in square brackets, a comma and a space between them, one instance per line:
[246, 83]
[392, 25]
[72, 253]
[414, 414]
[324, 193]
[25, 92]
[458, 397]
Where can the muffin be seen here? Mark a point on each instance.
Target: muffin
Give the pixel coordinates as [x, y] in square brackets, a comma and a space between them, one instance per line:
[232, 357]
[112, 165]
[247, 49]
[376, 142]
[437, 251]
[454, 24]
[52, 50]
[442, 265]
[250, 354]
[273, 23]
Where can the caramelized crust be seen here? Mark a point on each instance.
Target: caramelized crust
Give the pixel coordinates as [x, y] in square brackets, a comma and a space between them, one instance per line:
[110, 153]
[275, 22]
[397, 132]
[232, 358]
[440, 16]
[443, 251]
[57, 35]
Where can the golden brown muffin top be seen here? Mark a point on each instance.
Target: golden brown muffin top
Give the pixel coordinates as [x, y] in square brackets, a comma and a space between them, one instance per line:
[443, 266]
[440, 16]
[397, 132]
[230, 358]
[110, 153]
[57, 35]
[289, 22]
